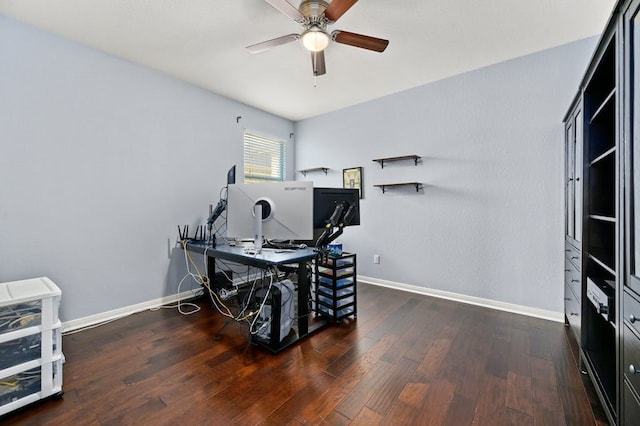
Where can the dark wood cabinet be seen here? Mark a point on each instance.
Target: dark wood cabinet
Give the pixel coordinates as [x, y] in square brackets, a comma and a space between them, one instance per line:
[600, 239]
[573, 218]
[630, 294]
[602, 217]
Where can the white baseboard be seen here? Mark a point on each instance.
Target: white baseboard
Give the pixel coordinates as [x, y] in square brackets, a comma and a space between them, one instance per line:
[115, 314]
[471, 300]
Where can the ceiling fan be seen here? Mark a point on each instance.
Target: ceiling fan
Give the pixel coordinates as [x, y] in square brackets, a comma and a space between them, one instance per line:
[315, 16]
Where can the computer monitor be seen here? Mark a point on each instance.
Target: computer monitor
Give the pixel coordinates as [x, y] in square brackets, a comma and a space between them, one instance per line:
[287, 210]
[222, 203]
[231, 175]
[325, 201]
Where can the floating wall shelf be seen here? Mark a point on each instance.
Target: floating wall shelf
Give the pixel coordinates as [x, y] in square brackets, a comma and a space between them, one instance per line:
[385, 186]
[381, 161]
[314, 169]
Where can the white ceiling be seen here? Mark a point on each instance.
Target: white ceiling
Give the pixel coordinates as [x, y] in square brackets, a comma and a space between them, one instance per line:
[203, 42]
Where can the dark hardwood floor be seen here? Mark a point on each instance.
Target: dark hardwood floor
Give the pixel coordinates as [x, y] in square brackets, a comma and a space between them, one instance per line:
[407, 360]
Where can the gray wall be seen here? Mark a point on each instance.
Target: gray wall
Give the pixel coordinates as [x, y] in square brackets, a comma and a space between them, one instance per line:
[489, 221]
[100, 161]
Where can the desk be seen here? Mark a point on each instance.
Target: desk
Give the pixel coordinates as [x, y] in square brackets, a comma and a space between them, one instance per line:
[269, 258]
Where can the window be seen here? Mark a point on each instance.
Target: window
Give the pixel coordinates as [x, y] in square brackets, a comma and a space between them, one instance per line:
[264, 159]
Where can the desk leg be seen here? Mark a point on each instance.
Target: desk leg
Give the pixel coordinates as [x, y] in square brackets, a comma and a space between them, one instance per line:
[211, 270]
[303, 302]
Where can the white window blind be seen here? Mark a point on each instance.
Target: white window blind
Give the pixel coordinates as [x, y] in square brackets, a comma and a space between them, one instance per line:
[264, 159]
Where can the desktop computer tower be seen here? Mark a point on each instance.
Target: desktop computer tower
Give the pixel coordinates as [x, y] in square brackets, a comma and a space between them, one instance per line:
[275, 319]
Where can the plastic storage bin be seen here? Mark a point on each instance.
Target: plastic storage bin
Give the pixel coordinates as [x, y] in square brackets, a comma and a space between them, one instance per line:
[30, 383]
[337, 272]
[31, 355]
[338, 302]
[339, 283]
[29, 303]
[339, 314]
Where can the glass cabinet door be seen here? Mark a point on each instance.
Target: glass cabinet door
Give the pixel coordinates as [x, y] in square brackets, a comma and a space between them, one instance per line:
[577, 175]
[573, 168]
[570, 188]
[632, 103]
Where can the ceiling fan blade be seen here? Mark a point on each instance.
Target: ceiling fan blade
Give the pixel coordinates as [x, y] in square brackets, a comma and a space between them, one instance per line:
[317, 62]
[337, 8]
[287, 9]
[261, 47]
[359, 40]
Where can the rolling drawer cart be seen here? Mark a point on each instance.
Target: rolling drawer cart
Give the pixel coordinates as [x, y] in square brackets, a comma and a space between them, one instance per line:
[335, 281]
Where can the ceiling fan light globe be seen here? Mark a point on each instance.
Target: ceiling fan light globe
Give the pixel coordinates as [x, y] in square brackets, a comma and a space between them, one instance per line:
[315, 40]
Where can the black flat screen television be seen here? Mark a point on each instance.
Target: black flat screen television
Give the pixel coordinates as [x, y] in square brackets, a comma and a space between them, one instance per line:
[326, 199]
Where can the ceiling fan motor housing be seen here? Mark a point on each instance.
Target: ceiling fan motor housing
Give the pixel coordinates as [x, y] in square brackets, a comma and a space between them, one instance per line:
[313, 8]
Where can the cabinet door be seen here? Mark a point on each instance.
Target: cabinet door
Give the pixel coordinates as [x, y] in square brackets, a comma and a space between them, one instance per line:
[570, 188]
[632, 139]
[577, 174]
[630, 347]
[573, 175]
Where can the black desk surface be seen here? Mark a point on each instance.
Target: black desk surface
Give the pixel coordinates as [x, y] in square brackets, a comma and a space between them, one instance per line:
[267, 257]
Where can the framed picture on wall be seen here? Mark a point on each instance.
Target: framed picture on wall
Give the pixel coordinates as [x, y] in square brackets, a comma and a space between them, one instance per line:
[352, 178]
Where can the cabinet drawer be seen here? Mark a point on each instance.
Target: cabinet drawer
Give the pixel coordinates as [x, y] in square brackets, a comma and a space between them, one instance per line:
[338, 314]
[631, 406]
[340, 262]
[336, 293]
[631, 312]
[40, 346]
[30, 384]
[634, 285]
[572, 254]
[28, 303]
[338, 272]
[339, 283]
[339, 303]
[19, 351]
[19, 316]
[631, 358]
[572, 278]
[572, 310]
[20, 385]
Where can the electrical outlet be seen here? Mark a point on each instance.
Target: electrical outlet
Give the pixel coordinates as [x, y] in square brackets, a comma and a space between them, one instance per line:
[376, 259]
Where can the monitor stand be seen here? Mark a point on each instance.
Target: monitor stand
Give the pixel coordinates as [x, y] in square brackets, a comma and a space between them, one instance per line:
[257, 227]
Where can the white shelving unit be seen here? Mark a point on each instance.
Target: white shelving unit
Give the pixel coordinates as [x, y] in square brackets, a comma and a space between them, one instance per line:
[31, 355]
